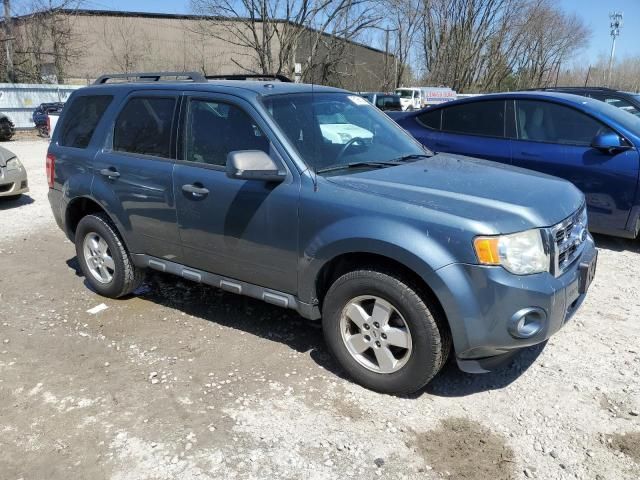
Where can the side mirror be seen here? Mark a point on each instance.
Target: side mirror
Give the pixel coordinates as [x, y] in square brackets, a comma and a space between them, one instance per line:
[253, 165]
[610, 143]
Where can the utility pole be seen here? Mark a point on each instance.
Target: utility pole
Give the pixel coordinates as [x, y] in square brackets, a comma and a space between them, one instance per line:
[386, 59]
[615, 24]
[8, 40]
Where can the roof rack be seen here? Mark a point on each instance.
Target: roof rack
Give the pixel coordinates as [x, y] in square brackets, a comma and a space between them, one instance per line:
[151, 77]
[251, 76]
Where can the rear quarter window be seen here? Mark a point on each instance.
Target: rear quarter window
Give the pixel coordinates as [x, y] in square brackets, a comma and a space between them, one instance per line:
[81, 119]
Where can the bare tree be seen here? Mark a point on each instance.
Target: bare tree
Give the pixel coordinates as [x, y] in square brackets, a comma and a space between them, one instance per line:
[271, 36]
[496, 44]
[128, 48]
[44, 43]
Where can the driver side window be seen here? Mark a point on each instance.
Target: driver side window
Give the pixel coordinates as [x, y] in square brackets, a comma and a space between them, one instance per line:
[552, 123]
[216, 128]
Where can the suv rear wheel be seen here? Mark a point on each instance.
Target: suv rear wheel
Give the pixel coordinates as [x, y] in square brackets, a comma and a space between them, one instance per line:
[384, 332]
[104, 259]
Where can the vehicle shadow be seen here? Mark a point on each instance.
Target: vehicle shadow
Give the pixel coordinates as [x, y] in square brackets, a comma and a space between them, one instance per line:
[453, 382]
[287, 327]
[617, 244]
[6, 203]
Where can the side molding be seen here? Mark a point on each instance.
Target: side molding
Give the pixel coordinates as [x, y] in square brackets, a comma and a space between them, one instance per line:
[274, 297]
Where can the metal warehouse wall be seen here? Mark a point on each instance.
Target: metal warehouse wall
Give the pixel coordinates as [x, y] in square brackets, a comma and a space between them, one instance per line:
[19, 100]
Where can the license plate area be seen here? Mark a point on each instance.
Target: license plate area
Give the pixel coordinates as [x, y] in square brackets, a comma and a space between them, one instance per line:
[587, 271]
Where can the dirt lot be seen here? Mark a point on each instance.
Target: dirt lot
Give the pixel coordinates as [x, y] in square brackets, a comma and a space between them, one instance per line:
[183, 381]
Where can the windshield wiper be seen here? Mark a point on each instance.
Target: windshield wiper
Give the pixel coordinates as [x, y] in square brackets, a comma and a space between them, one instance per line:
[411, 156]
[345, 166]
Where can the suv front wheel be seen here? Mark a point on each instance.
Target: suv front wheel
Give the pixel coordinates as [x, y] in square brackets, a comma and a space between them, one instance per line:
[104, 259]
[384, 331]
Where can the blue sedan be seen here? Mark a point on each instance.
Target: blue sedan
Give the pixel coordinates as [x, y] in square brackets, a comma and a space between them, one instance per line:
[586, 141]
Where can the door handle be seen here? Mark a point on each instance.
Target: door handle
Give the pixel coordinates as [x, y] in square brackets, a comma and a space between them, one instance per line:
[195, 190]
[110, 172]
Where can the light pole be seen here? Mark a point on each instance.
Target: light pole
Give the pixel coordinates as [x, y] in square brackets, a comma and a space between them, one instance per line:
[616, 24]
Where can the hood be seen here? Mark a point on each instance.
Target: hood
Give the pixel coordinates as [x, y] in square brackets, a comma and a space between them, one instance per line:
[497, 198]
[5, 155]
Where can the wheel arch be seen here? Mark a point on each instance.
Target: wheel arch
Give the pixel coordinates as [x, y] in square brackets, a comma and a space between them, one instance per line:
[79, 207]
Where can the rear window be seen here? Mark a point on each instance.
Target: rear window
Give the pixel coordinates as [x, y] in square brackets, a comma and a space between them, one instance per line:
[81, 119]
[388, 101]
[478, 118]
[144, 127]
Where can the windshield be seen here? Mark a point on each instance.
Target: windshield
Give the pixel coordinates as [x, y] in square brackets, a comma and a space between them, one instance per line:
[405, 93]
[332, 130]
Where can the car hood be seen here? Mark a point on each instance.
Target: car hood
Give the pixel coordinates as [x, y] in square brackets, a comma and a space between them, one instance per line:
[497, 198]
[5, 155]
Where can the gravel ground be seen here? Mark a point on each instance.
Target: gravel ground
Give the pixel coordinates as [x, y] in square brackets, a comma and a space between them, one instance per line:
[183, 381]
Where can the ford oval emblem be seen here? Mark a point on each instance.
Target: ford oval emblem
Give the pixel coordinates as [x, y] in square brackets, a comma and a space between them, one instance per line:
[583, 235]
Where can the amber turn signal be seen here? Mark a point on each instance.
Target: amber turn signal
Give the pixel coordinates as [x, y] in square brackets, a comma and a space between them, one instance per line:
[487, 250]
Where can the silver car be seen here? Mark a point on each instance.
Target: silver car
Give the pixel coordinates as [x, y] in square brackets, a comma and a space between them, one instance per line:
[13, 176]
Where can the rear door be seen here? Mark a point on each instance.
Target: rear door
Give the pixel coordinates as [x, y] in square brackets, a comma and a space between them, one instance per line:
[475, 129]
[556, 139]
[134, 172]
[243, 229]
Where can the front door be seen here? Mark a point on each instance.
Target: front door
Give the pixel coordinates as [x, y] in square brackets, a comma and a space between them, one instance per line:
[243, 229]
[134, 173]
[556, 139]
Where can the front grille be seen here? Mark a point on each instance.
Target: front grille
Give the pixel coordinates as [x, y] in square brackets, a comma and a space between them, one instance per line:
[568, 240]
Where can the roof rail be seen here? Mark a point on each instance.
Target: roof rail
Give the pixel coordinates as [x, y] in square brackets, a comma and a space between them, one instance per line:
[151, 77]
[542, 89]
[251, 76]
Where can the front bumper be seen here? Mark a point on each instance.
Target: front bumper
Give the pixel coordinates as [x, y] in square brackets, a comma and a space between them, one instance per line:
[13, 182]
[482, 300]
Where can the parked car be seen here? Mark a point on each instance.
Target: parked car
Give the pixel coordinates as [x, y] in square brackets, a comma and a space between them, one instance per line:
[590, 143]
[402, 253]
[13, 176]
[40, 116]
[7, 128]
[627, 101]
[384, 101]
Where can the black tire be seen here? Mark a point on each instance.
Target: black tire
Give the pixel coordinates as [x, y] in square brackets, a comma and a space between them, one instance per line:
[7, 129]
[430, 337]
[126, 276]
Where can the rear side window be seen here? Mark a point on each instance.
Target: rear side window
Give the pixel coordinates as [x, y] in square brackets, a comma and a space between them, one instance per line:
[81, 119]
[144, 127]
[478, 118]
[430, 119]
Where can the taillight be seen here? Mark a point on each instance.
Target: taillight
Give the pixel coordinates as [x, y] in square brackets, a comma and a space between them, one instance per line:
[51, 162]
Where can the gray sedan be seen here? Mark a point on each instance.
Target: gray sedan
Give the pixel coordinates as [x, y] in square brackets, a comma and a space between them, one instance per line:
[13, 176]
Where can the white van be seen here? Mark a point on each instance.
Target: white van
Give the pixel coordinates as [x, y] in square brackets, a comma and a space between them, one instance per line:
[415, 98]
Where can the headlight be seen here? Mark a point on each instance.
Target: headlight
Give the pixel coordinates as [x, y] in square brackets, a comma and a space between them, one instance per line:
[14, 164]
[520, 253]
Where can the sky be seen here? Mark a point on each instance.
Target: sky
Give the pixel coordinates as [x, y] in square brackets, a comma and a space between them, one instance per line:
[595, 13]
